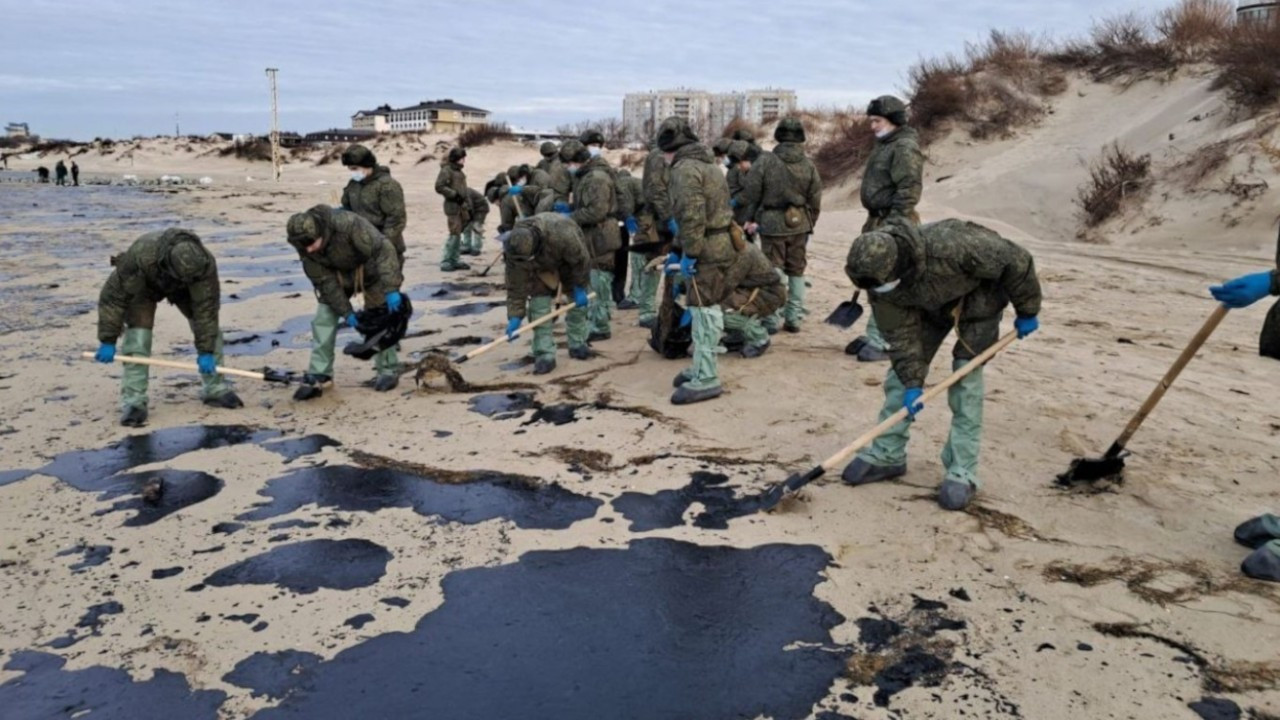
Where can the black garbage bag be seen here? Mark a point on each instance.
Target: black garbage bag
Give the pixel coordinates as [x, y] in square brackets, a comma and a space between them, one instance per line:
[381, 328]
[668, 338]
[1269, 341]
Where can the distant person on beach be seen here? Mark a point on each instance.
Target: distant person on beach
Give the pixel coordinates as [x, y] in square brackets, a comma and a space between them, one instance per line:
[61, 171]
[42, 173]
[75, 174]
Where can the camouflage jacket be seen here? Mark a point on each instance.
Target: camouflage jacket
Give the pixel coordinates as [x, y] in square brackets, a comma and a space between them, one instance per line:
[563, 257]
[893, 180]
[700, 205]
[754, 286]
[380, 200]
[779, 180]
[656, 187]
[452, 184]
[594, 206]
[478, 204]
[956, 269]
[142, 274]
[630, 196]
[559, 181]
[350, 243]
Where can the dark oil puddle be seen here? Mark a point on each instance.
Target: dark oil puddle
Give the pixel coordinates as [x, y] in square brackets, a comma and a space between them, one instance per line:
[164, 573]
[180, 489]
[90, 621]
[666, 508]
[481, 497]
[673, 630]
[234, 294]
[293, 448]
[227, 528]
[273, 675]
[469, 309]
[359, 621]
[90, 556]
[307, 566]
[85, 469]
[395, 602]
[46, 690]
[1216, 709]
[293, 334]
[451, 290]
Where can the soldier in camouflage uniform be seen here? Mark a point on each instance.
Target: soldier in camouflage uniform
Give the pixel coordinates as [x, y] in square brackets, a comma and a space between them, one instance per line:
[451, 183]
[547, 256]
[168, 265]
[700, 223]
[594, 207]
[473, 233]
[891, 188]
[924, 282]
[639, 224]
[375, 196]
[560, 182]
[343, 253]
[758, 293]
[1261, 533]
[741, 155]
[496, 189]
[782, 199]
[720, 151]
[528, 194]
[655, 187]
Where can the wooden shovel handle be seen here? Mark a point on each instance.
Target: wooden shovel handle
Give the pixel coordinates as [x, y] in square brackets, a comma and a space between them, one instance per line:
[503, 340]
[178, 366]
[843, 456]
[1166, 382]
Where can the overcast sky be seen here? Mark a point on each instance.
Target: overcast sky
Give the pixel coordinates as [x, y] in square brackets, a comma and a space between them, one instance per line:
[122, 67]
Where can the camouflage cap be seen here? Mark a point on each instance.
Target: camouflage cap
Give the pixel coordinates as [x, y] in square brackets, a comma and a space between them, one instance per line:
[744, 135]
[873, 260]
[457, 153]
[738, 150]
[675, 133]
[789, 129]
[591, 137]
[573, 151]
[515, 172]
[890, 108]
[523, 243]
[359, 156]
[188, 261]
[548, 149]
[302, 229]
[721, 146]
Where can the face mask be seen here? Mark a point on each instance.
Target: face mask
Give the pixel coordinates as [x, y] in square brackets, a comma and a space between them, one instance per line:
[887, 287]
[884, 133]
[357, 176]
[520, 183]
[573, 169]
[594, 151]
[728, 162]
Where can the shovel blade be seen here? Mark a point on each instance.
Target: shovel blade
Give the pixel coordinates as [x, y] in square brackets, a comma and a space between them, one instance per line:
[1091, 470]
[845, 315]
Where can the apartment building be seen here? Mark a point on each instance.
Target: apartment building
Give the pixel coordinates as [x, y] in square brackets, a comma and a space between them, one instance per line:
[707, 112]
[442, 116]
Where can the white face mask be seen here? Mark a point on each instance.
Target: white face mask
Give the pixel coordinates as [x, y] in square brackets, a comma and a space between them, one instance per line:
[358, 176]
[573, 169]
[728, 162]
[887, 287]
[884, 133]
[594, 151]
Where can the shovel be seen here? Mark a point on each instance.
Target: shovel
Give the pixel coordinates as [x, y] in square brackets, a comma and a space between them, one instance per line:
[770, 498]
[267, 374]
[847, 313]
[495, 261]
[1111, 465]
[504, 341]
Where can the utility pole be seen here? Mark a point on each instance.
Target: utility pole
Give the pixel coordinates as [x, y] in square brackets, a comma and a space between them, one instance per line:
[275, 125]
[177, 129]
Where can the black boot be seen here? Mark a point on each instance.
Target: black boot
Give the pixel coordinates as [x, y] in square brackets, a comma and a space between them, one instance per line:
[386, 383]
[227, 401]
[134, 417]
[684, 395]
[544, 366]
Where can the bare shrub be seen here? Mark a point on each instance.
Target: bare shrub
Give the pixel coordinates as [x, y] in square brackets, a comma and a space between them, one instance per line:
[938, 93]
[1194, 28]
[1113, 178]
[1126, 49]
[253, 151]
[1248, 62]
[486, 134]
[632, 160]
[745, 125]
[846, 149]
[1203, 163]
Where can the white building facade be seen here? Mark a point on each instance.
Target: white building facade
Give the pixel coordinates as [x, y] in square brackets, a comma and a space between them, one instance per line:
[1258, 11]
[707, 112]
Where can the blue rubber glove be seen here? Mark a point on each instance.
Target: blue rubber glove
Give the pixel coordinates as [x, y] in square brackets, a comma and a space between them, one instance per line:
[673, 227]
[1026, 325]
[687, 318]
[351, 320]
[513, 325]
[394, 301]
[580, 297]
[672, 259]
[515, 189]
[1243, 291]
[106, 353]
[688, 266]
[207, 363]
[562, 208]
[911, 401]
[633, 226]
[733, 203]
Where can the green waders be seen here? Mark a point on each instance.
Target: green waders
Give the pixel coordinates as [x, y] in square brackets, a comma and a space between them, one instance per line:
[324, 336]
[634, 286]
[649, 281]
[793, 312]
[544, 344]
[874, 339]
[708, 328]
[133, 386]
[749, 325]
[473, 238]
[960, 456]
[600, 311]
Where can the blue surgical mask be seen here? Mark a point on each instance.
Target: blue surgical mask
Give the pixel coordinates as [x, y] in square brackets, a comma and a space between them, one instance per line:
[887, 287]
[573, 169]
[594, 151]
[358, 176]
[728, 162]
